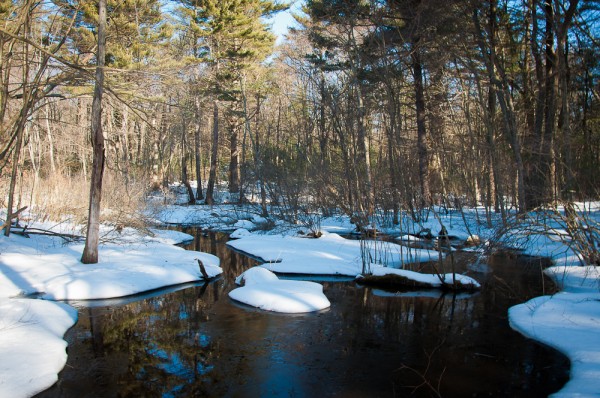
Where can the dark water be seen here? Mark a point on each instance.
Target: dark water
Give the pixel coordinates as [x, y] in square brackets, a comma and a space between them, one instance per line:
[196, 342]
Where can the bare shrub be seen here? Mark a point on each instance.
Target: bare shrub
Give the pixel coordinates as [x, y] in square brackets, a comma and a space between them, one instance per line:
[576, 226]
[60, 197]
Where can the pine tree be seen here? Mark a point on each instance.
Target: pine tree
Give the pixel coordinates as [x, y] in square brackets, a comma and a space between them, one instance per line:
[231, 37]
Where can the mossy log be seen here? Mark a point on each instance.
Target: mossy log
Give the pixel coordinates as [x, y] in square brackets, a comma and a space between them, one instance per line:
[392, 281]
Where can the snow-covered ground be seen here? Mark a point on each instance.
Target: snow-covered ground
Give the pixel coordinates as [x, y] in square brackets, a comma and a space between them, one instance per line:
[32, 350]
[46, 267]
[568, 321]
[328, 255]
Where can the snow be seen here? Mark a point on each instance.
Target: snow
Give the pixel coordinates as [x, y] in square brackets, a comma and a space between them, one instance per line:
[408, 238]
[431, 280]
[328, 255]
[246, 224]
[263, 289]
[240, 233]
[47, 267]
[42, 265]
[32, 350]
[170, 237]
[568, 321]
[435, 294]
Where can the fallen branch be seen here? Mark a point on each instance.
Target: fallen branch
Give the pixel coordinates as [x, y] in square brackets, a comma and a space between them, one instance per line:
[24, 231]
[12, 217]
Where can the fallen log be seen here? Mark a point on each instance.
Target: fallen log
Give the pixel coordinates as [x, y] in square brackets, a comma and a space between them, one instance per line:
[392, 281]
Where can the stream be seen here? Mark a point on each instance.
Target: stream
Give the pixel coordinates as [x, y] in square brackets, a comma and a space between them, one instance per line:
[193, 341]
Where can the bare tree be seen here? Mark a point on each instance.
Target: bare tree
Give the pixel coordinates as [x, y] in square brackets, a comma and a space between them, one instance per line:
[90, 251]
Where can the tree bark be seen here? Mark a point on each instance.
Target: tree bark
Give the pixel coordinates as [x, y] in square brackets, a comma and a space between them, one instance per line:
[184, 160]
[197, 157]
[422, 150]
[212, 175]
[90, 251]
[234, 164]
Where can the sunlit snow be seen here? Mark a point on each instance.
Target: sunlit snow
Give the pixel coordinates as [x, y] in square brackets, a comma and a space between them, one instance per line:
[263, 289]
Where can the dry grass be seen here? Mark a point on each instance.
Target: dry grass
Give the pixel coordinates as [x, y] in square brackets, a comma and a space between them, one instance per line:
[60, 197]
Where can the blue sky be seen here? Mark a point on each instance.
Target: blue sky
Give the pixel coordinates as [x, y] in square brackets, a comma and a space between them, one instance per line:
[282, 20]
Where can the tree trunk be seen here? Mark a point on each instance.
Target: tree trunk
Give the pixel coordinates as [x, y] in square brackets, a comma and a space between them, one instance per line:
[212, 175]
[90, 251]
[20, 128]
[564, 77]
[197, 157]
[234, 165]
[364, 161]
[546, 167]
[496, 192]
[422, 150]
[184, 159]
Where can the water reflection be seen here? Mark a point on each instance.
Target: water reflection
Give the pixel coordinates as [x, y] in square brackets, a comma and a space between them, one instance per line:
[196, 342]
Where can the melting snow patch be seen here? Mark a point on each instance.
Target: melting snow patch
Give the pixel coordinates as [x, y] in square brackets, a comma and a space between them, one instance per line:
[263, 289]
[240, 233]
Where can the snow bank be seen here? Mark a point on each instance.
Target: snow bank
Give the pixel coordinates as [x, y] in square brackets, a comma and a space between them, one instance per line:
[262, 289]
[246, 224]
[568, 321]
[32, 350]
[43, 265]
[169, 236]
[408, 238]
[328, 255]
[240, 233]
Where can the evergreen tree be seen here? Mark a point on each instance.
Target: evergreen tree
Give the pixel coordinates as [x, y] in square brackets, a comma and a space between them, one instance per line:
[230, 36]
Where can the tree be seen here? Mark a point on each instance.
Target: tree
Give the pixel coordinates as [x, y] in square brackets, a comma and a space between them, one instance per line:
[230, 36]
[342, 29]
[90, 251]
[19, 36]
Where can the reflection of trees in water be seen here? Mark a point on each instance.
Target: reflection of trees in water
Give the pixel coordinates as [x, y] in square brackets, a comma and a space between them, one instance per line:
[159, 341]
[214, 242]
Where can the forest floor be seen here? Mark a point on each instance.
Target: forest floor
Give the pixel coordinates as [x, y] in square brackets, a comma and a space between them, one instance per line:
[48, 267]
